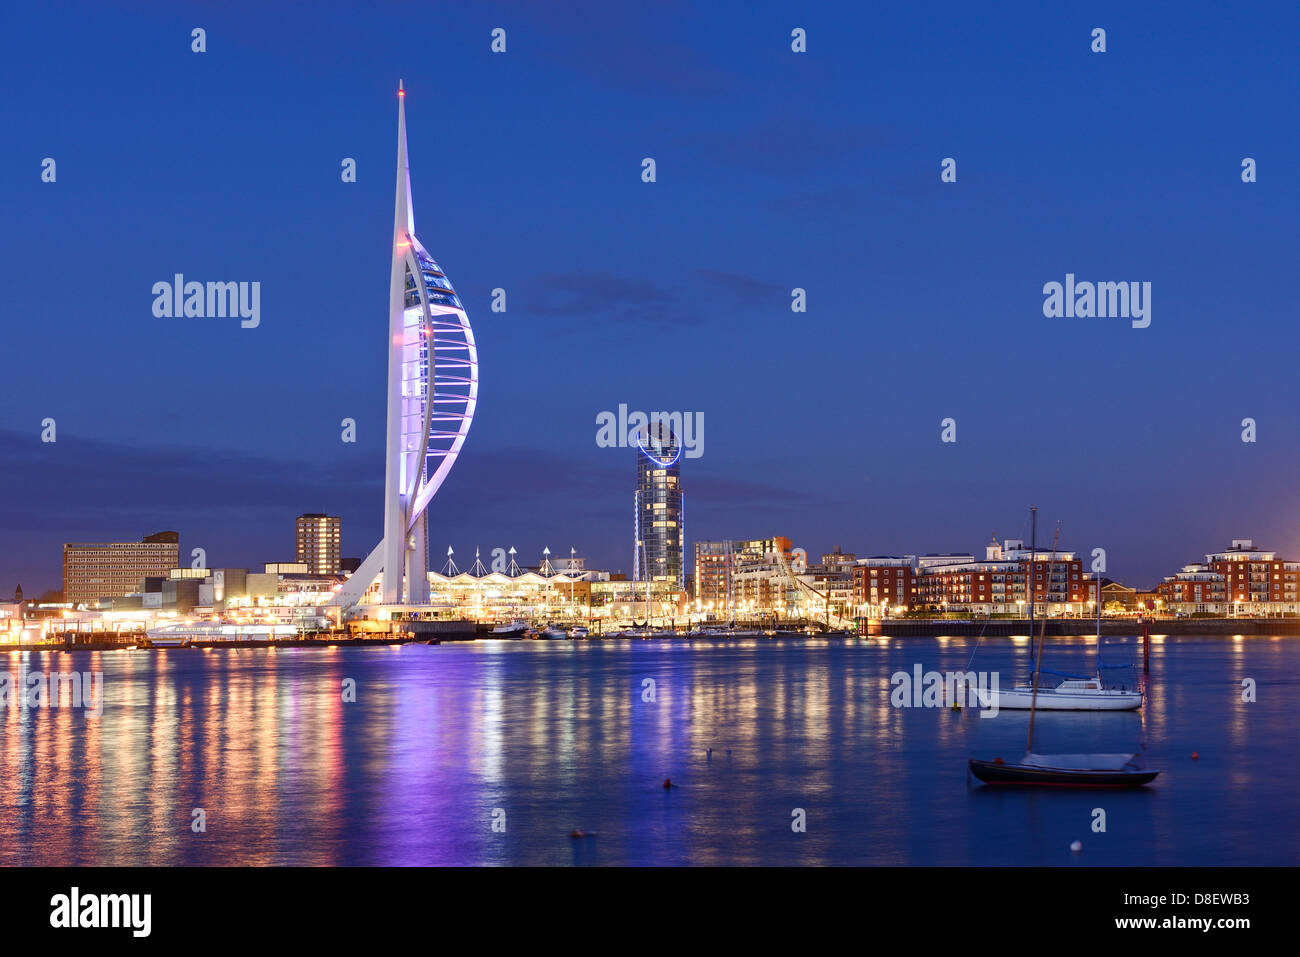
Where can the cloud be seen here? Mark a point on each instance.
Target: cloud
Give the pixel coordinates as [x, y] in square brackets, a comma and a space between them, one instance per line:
[589, 295]
[78, 477]
[584, 296]
[745, 290]
[589, 36]
[240, 506]
[793, 145]
[839, 200]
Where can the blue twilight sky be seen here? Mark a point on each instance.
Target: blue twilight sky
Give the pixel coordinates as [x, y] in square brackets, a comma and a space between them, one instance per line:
[775, 170]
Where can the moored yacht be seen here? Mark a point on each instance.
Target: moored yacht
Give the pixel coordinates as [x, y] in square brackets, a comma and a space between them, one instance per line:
[1087, 769]
[1065, 770]
[510, 629]
[731, 632]
[1073, 694]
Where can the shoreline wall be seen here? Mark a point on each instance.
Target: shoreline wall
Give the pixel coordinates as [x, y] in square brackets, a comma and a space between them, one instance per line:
[1007, 627]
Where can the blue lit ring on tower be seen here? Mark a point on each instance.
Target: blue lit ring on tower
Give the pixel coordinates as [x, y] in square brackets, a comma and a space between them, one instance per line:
[667, 450]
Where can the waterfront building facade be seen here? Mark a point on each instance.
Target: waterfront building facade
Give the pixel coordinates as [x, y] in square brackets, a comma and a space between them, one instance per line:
[831, 588]
[763, 586]
[317, 544]
[838, 559]
[716, 565]
[531, 596]
[1196, 588]
[884, 581]
[1240, 580]
[112, 569]
[712, 570]
[1115, 596]
[11, 619]
[1004, 583]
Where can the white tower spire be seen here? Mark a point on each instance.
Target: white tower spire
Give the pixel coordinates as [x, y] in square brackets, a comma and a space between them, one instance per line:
[432, 393]
[397, 542]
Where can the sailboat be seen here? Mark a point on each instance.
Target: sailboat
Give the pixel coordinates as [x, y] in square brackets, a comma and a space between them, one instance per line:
[1060, 770]
[646, 629]
[1066, 770]
[1076, 692]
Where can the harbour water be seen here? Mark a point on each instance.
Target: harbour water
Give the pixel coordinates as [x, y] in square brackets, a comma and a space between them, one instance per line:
[547, 737]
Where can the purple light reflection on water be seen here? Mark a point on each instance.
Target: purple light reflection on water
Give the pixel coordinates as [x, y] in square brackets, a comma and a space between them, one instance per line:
[557, 734]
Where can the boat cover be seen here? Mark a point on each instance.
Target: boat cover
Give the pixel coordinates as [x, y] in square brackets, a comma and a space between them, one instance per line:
[1079, 762]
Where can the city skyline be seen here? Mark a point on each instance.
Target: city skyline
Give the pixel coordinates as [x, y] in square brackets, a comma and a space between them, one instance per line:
[710, 574]
[1103, 425]
[874, 447]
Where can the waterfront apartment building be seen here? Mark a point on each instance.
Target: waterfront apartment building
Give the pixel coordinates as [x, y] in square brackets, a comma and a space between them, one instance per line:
[1253, 576]
[766, 586]
[658, 507]
[885, 581]
[834, 583]
[318, 544]
[1003, 582]
[113, 569]
[716, 565]
[776, 583]
[1241, 580]
[1195, 588]
[839, 559]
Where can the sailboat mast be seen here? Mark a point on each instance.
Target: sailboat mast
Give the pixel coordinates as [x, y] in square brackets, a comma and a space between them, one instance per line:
[1098, 574]
[1029, 576]
[645, 563]
[1038, 659]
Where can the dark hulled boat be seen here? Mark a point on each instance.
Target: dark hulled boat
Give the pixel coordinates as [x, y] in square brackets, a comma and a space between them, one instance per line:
[1065, 770]
[1060, 770]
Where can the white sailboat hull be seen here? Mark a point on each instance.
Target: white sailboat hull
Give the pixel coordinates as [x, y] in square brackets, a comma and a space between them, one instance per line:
[1049, 699]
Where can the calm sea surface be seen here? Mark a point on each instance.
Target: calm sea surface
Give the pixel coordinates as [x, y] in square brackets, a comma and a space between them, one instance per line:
[557, 736]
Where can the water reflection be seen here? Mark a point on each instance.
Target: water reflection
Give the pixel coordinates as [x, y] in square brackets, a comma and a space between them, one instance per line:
[562, 735]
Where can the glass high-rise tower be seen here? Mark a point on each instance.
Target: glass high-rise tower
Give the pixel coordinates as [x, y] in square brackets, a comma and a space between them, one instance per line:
[658, 524]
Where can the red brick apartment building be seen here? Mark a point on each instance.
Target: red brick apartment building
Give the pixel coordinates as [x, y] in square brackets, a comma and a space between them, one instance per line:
[1003, 582]
[885, 580]
[1241, 580]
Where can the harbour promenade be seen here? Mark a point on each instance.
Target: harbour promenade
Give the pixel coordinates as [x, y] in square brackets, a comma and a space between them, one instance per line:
[1007, 627]
[457, 631]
